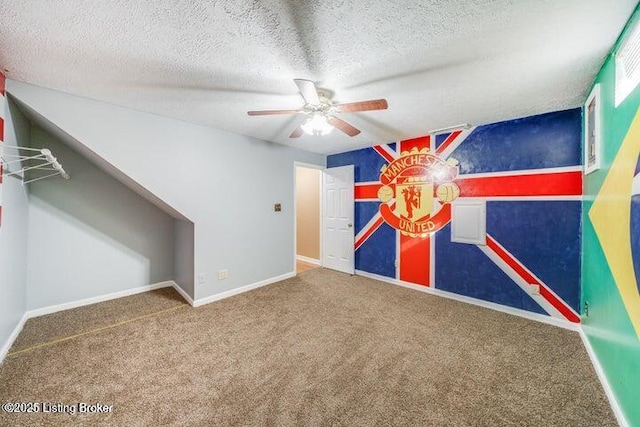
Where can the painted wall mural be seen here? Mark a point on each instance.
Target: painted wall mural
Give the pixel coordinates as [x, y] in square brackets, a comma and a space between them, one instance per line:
[611, 241]
[530, 175]
[634, 230]
[614, 217]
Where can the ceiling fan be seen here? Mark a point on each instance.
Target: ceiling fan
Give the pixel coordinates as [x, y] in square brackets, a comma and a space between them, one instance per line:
[322, 112]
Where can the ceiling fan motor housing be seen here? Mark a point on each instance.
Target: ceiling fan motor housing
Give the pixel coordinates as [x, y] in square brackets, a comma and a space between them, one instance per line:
[325, 95]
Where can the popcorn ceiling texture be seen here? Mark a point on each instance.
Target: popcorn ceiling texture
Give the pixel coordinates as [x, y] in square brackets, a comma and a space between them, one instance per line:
[438, 63]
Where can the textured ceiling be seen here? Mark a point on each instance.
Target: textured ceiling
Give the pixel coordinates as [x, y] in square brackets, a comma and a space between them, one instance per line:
[438, 63]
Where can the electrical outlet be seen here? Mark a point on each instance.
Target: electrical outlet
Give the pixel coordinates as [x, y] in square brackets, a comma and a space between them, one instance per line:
[586, 308]
[395, 263]
[202, 279]
[223, 274]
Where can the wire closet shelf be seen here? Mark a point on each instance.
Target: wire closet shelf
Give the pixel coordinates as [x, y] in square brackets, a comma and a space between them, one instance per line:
[40, 163]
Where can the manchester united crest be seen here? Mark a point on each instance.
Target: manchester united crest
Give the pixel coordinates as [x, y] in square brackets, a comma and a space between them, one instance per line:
[416, 191]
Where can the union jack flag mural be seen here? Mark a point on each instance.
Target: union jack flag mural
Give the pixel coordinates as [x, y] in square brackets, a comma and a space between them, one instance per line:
[530, 175]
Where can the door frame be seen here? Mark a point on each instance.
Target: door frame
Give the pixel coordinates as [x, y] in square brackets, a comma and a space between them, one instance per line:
[297, 164]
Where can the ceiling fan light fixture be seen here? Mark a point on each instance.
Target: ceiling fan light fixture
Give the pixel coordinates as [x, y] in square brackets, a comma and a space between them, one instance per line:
[322, 112]
[317, 124]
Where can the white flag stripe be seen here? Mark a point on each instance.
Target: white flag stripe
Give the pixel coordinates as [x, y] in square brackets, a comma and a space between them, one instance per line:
[455, 144]
[546, 305]
[521, 172]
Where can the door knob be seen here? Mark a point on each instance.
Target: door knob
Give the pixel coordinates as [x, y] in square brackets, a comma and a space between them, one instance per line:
[349, 225]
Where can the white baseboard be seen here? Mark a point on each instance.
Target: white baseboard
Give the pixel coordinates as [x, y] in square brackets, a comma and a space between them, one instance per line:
[182, 293]
[247, 288]
[307, 259]
[474, 301]
[87, 301]
[16, 331]
[608, 391]
[615, 407]
[101, 298]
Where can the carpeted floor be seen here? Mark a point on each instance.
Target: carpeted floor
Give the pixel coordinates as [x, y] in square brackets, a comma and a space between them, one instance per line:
[70, 323]
[320, 349]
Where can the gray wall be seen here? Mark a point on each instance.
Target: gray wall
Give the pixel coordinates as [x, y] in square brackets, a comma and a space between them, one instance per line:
[90, 235]
[225, 183]
[13, 233]
[183, 256]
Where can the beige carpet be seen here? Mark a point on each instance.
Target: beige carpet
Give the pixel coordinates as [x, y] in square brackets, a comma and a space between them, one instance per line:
[70, 323]
[320, 349]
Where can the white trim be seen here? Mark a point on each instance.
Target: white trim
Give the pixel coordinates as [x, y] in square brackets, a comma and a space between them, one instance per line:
[296, 165]
[398, 255]
[321, 217]
[101, 298]
[608, 391]
[308, 260]
[2, 104]
[565, 324]
[242, 289]
[14, 335]
[367, 200]
[182, 293]
[128, 292]
[521, 172]
[432, 260]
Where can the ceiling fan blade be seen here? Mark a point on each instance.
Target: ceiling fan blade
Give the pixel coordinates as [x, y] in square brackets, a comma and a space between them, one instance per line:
[343, 126]
[297, 133]
[375, 104]
[271, 112]
[308, 91]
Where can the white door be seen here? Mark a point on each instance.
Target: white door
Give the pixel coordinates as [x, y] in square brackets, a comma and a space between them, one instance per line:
[337, 219]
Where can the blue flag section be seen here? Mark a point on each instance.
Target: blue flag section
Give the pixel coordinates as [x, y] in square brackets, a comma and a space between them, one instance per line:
[529, 173]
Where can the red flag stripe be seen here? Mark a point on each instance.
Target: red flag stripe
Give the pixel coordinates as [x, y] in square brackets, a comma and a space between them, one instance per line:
[368, 233]
[415, 252]
[385, 154]
[543, 184]
[367, 191]
[419, 143]
[447, 142]
[528, 277]
[415, 260]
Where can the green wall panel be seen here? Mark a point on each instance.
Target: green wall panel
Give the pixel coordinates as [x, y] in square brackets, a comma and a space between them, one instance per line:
[609, 325]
